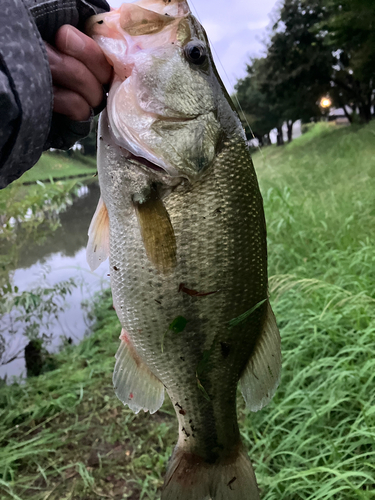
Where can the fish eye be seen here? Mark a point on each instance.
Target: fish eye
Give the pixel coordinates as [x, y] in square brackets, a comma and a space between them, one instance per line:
[196, 52]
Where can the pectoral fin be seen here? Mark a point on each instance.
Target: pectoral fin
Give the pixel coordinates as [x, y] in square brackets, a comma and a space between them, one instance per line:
[135, 385]
[262, 374]
[157, 232]
[97, 250]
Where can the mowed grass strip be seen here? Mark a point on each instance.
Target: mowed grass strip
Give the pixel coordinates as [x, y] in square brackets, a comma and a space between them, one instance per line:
[64, 435]
[59, 166]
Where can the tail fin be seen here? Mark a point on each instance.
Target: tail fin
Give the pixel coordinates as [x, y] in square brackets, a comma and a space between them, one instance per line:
[191, 478]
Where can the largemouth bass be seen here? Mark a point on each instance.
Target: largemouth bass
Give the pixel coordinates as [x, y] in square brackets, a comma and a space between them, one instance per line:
[181, 219]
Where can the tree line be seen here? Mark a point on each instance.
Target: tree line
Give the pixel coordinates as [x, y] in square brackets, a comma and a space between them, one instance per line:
[316, 48]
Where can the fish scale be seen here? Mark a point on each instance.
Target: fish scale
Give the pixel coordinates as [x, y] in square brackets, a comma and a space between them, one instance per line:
[181, 219]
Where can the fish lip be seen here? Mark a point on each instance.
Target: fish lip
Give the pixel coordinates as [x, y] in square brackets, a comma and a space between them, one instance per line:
[144, 162]
[176, 119]
[168, 178]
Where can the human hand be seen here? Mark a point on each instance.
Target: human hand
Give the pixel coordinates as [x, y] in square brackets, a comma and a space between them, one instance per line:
[79, 70]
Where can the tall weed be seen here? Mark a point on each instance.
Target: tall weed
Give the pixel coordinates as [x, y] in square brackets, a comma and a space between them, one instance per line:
[317, 437]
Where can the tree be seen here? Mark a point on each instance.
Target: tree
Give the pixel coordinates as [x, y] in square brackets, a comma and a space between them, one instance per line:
[299, 64]
[288, 83]
[350, 28]
[317, 47]
[255, 102]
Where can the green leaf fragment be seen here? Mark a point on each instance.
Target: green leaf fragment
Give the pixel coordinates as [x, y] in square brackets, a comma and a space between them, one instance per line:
[178, 325]
[240, 319]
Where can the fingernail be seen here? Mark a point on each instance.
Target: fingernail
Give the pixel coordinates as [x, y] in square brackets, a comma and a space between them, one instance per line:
[74, 42]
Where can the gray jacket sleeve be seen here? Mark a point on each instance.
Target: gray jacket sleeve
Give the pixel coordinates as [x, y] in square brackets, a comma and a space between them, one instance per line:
[27, 124]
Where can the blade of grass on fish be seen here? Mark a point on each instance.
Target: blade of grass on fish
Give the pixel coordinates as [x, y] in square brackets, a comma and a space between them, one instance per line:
[204, 365]
[240, 319]
[201, 388]
[178, 325]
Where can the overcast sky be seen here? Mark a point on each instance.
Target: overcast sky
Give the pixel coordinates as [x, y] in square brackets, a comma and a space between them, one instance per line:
[236, 29]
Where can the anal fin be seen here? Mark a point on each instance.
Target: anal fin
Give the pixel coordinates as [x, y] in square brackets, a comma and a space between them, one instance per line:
[261, 376]
[135, 385]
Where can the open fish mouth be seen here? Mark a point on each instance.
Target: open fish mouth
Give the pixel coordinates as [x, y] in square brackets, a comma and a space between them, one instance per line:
[143, 161]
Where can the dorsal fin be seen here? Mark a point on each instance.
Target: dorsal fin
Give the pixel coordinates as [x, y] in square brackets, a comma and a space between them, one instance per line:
[261, 376]
[174, 8]
[97, 250]
[137, 21]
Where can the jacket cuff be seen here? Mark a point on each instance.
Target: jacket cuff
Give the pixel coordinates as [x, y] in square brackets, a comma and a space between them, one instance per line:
[50, 15]
[65, 133]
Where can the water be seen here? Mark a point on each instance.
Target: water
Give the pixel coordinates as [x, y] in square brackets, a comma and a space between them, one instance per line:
[62, 255]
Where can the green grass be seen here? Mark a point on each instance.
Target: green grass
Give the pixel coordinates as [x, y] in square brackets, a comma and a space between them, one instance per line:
[316, 440]
[64, 435]
[59, 166]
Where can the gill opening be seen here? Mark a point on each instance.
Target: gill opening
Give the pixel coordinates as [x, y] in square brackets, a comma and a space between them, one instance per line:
[229, 81]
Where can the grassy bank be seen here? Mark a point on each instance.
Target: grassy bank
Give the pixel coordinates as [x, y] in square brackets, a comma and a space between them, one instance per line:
[43, 185]
[316, 440]
[59, 166]
[64, 435]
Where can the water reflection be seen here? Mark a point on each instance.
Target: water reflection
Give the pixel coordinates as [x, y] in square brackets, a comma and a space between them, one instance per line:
[60, 256]
[71, 236]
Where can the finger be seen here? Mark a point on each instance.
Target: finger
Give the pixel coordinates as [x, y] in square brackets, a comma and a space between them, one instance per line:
[70, 104]
[72, 74]
[74, 43]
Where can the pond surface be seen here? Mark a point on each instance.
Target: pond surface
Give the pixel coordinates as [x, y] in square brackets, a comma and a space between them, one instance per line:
[62, 255]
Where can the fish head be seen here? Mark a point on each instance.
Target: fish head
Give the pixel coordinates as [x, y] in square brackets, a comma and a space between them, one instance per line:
[166, 104]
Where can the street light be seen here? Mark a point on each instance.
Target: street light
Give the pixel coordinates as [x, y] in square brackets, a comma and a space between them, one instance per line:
[325, 102]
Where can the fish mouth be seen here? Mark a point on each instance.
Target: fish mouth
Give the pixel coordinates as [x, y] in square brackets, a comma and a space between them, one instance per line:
[146, 159]
[140, 160]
